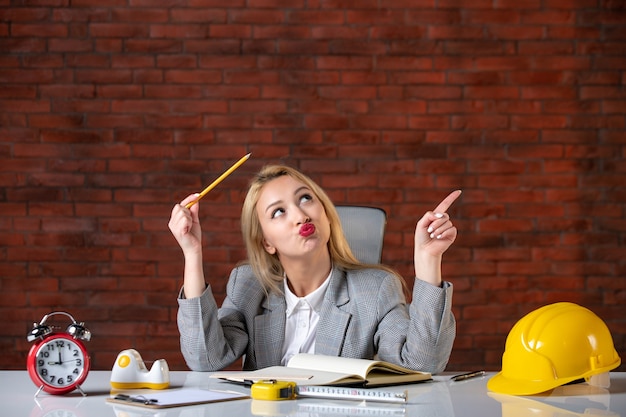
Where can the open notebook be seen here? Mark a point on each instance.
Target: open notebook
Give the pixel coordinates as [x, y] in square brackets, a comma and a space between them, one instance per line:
[308, 369]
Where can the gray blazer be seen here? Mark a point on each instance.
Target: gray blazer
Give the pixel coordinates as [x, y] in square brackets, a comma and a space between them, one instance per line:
[364, 313]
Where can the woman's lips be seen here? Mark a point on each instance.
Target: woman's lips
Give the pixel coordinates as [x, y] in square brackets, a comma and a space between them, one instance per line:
[307, 229]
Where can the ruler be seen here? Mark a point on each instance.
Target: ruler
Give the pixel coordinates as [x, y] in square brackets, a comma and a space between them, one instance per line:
[345, 393]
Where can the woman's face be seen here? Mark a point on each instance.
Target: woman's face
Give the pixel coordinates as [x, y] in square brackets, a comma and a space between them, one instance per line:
[293, 220]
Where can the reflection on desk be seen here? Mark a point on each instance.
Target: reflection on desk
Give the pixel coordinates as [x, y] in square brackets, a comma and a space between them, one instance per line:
[570, 400]
[441, 397]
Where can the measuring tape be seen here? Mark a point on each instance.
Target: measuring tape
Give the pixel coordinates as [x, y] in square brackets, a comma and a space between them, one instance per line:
[284, 390]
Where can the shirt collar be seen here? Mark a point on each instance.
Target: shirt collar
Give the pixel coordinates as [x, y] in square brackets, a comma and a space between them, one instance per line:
[314, 299]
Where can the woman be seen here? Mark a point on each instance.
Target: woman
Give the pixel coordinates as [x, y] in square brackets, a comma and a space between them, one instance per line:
[302, 290]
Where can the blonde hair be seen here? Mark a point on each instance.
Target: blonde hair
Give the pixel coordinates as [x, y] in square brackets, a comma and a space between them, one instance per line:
[267, 267]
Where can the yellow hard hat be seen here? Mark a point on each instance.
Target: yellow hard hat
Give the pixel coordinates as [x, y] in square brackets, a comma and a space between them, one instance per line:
[552, 346]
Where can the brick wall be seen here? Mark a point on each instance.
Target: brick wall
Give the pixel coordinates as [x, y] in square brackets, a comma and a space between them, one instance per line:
[111, 112]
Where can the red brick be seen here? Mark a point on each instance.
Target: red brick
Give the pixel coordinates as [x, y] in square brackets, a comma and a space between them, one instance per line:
[140, 15]
[339, 63]
[207, 16]
[293, 4]
[149, 45]
[562, 63]
[397, 33]
[39, 30]
[455, 32]
[471, 122]
[119, 30]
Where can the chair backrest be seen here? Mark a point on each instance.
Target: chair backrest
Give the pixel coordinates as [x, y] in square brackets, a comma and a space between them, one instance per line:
[364, 228]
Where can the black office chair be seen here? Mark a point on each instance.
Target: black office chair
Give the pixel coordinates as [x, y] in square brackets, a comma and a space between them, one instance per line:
[364, 228]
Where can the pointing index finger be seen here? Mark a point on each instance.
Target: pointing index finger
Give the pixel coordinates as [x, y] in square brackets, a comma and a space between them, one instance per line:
[447, 202]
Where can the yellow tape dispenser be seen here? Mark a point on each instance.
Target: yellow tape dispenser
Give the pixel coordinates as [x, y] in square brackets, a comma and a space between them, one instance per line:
[130, 372]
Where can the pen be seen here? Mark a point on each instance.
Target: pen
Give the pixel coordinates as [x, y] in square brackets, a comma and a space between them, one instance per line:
[138, 399]
[244, 382]
[463, 377]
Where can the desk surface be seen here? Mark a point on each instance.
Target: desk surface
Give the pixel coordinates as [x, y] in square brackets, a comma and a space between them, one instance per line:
[438, 398]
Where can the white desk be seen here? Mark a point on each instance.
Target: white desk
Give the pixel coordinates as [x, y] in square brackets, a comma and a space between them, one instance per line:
[439, 398]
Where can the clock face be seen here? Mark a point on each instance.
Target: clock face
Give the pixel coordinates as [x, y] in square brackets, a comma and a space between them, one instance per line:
[59, 363]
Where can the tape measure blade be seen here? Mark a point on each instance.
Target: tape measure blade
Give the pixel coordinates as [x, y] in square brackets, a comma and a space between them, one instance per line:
[345, 393]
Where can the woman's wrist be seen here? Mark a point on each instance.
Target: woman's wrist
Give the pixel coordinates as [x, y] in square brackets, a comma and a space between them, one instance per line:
[428, 269]
[194, 283]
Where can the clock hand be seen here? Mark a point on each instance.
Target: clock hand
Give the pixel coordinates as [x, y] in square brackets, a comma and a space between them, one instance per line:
[59, 362]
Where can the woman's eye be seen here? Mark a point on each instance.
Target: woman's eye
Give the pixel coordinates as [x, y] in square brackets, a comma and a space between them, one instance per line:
[305, 198]
[278, 212]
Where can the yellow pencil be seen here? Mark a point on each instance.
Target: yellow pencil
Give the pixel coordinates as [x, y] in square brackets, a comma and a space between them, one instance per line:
[217, 181]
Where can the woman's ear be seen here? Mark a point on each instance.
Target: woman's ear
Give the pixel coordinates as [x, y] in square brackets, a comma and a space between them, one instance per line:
[268, 247]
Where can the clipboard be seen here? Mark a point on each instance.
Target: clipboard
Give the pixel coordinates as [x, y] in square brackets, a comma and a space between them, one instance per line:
[176, 398]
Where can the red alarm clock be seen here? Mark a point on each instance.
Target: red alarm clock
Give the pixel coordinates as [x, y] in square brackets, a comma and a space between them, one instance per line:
[58, 362]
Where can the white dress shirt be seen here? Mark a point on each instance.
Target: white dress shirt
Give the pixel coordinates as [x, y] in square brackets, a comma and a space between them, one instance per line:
[302, 318]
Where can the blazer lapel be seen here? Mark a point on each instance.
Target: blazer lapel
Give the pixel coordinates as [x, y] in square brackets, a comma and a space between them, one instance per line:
[269, 332]
[333, 322]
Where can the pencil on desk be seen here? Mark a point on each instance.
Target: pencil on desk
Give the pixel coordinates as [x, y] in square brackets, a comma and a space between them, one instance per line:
[218, 180]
